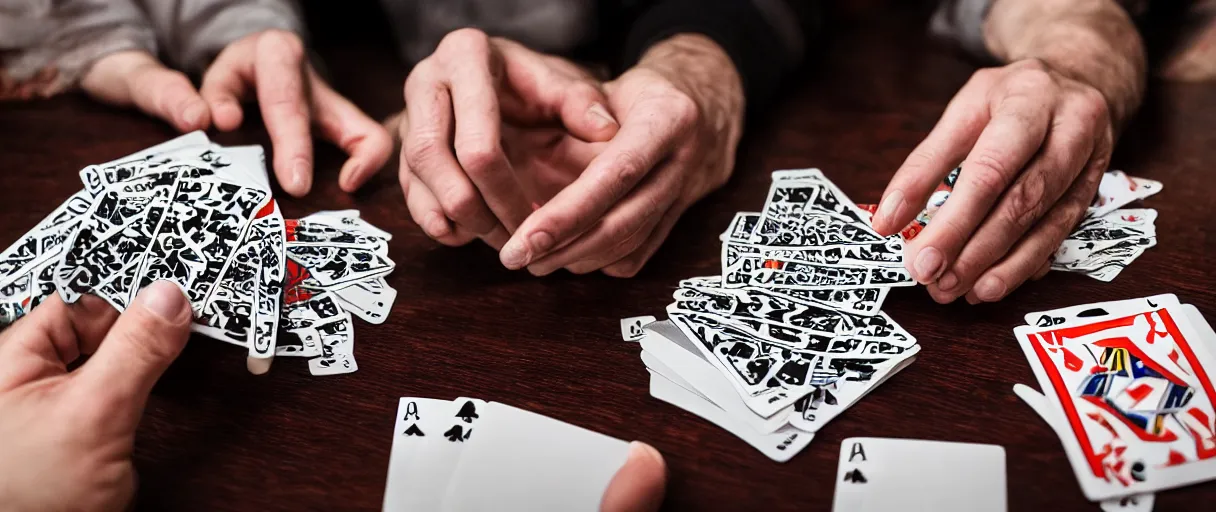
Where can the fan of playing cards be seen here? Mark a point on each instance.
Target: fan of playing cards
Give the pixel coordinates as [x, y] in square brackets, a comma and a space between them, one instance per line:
[791, 334]
[202, 216]
[1106, 242]
[1127, 388]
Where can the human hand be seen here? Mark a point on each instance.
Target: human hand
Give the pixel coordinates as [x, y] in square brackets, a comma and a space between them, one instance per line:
[272, 66]
[66, 438]
[136, 78]
[681, 112]
[1034, 143]
[457, 179]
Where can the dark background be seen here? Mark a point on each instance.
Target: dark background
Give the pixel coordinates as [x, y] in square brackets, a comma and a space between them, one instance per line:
[217, 438]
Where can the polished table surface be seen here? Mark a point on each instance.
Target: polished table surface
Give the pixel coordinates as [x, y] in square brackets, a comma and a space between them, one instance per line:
[218, 438]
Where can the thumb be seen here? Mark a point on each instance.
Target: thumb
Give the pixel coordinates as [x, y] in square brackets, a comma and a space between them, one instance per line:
[584, 114]
[136, 78]
[138, 349]
[640, 483]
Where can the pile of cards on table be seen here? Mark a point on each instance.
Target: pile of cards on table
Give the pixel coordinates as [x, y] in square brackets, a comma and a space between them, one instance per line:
[1127, 387]
[471, 455]
[1108, 239]
[792, 333]
[202, 216]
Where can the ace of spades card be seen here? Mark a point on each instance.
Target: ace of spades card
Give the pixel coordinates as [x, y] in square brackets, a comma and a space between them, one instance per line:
[882, 474]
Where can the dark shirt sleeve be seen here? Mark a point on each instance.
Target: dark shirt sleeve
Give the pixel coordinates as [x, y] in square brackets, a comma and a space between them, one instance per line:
[766, 39]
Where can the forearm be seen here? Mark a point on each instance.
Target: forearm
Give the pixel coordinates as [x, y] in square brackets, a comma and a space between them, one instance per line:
[1092, 41]
[706, 73]
[193, 32]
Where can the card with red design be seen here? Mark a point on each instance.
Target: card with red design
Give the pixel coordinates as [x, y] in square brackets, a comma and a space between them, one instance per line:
[1129, 386]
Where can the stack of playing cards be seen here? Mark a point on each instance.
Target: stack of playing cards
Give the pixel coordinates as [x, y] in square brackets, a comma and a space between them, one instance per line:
[1106, 242]
[881, 475]
[470, 455]
[1127, 388]
[201, 216]
[791, 334]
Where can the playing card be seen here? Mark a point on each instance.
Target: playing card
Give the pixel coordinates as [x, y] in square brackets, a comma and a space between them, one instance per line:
[333, 266]
[428, 439]
[858, 301]
[631, 328]
[1086, 313]
[876, 474]
[780, 445]
[370, 300]
[1117, 189]
[827, 402]
[666, 350]
[755, 270]
[96, 177]
[1134, 393]
[783, 320]
[337, 348]
[520, 460]
[1040, 405]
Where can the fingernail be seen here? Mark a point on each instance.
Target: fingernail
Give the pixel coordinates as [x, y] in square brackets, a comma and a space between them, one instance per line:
[514, 255]
[541, 242]
[600, 116]
[165, 300]
[889, 206]
[640, 450]
[436, 225]
[348, 177]
[194, 114]
[990, 288]
[928, 264]
[300, 177]
[947, 282]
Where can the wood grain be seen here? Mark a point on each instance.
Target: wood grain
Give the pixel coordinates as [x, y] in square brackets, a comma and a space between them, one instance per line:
[217, 438]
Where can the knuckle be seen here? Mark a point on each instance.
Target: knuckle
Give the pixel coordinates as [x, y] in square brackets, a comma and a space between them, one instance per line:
[1093, 107]
[281, 42]
[1034, 79]
[988, 170]
[624, 269]
[462, 205]
[1026, 201]
[464, 40]
[478, 159]
[1031, 64]
[627, 168]
[422, 149]
[685, 109]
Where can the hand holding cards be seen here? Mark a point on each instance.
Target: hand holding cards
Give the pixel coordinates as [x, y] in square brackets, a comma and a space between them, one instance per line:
[468, 454]
[1106, 242]
[1127, 387]
[201, 216]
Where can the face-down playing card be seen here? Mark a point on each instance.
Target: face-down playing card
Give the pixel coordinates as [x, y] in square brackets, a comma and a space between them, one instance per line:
[1132, 390]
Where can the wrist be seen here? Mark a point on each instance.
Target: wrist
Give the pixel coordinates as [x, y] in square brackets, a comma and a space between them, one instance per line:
[701, 69]
[1093, 42]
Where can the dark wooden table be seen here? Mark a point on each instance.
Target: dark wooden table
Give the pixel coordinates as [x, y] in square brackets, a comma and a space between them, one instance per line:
[217, 438]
